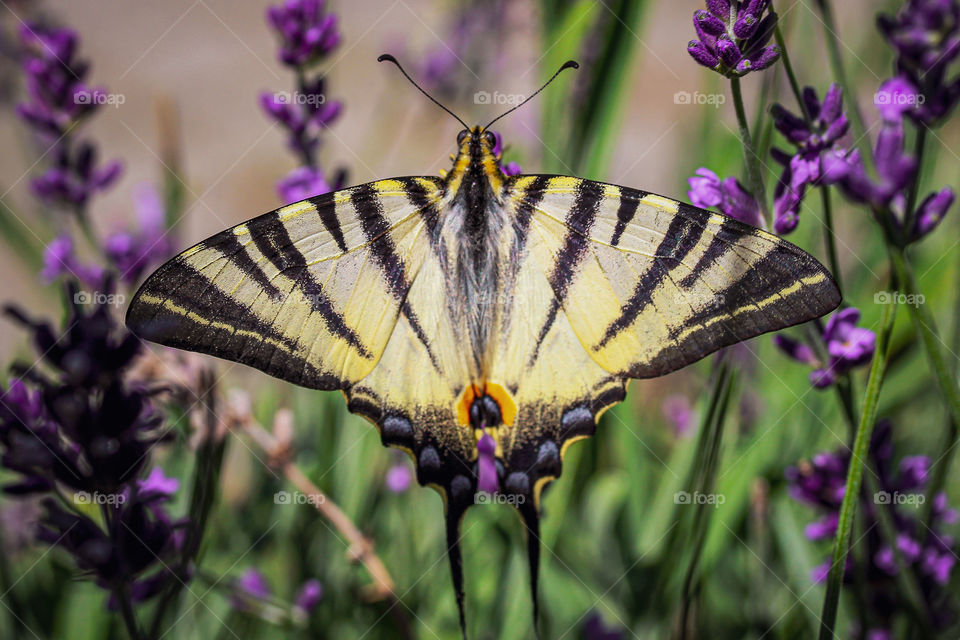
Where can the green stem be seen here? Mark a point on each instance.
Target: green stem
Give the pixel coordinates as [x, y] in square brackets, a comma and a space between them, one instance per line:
[919, 146]
[832, 39]
[754, 176]
[925, 327]
[723, 390]
[829, 236]
[788, 68]
[942, 466]
[851, 495]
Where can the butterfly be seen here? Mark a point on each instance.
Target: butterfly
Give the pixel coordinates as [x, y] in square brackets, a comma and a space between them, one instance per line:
[481, 322]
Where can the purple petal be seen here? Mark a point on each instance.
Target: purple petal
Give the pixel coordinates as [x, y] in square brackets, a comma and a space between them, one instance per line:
[729, 52]
[932, 210]
[705, 188]
[309, 595]
[795, 349]
[699, 52]
[709, 23]
[487, 478]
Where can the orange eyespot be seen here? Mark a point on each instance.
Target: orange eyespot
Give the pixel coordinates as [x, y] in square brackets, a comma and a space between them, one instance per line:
[508, 408]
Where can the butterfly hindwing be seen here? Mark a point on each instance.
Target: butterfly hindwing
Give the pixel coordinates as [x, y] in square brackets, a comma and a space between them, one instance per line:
[309, 293]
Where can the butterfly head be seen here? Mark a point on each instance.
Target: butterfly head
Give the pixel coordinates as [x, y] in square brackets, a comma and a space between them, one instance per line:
[476, 165]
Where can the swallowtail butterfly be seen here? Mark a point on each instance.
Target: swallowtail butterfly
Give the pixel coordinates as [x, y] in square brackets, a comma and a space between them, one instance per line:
[446, 308]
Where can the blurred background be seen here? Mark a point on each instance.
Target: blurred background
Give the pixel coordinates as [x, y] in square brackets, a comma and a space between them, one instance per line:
[617, 543]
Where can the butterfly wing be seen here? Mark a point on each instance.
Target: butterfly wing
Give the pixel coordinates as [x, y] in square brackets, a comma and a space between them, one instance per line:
[309, 293]
[614, 283]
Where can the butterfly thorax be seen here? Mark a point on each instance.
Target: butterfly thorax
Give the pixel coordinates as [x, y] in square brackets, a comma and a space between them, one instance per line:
[474, 225]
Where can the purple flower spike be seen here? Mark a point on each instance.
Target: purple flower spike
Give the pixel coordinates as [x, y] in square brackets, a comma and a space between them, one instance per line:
[487, 479]
[925, 36]
[678, 411]
[59, 260]
[813, 162]
[920, 543]
[731, 197]
[306, 31]
[732, 37]
[399, 478]
[302, 183]
[309, 596]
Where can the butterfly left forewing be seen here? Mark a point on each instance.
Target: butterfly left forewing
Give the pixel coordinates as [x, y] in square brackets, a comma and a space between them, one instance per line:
[309, 293]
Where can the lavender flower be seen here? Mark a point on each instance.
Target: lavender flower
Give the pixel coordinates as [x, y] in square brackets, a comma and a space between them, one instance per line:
[94, 432]
[60, 259]
[487, 478]
[509, 169]
[594, 628]
[251, 588]
[131, 252]
[75, 176]
[399, 477]
[925, 35]
[309, 596]
[731, 197]
[302, 183]
[80, 427]
[57, 100]
[732, 36]
[57, 96]
[887, 195]
[848, 347]
[307, 32]
[827, 124]
[676, 408]
[929, 552]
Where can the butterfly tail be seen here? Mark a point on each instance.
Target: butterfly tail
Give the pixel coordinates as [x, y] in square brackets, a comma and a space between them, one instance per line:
[531, 521]
[454, 515]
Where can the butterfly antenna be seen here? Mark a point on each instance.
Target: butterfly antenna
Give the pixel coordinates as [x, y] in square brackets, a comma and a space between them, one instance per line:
[569, 64]
[389, 58]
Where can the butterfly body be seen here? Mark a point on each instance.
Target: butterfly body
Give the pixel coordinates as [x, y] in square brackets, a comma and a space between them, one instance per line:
[446, 309]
